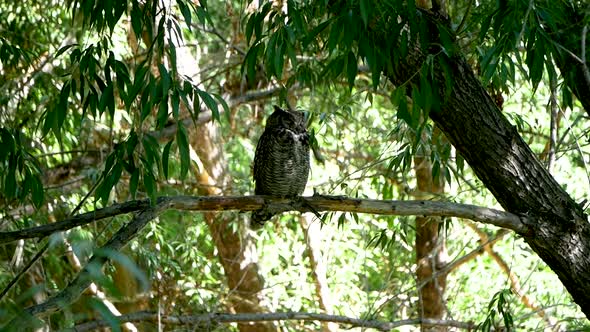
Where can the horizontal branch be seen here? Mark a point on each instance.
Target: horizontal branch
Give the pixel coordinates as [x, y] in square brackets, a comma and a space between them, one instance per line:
[146, 212]
[277, 205]
[210, 320]
[74, 221]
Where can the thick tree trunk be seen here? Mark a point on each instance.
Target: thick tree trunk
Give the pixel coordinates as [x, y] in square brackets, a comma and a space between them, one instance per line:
[560, 232]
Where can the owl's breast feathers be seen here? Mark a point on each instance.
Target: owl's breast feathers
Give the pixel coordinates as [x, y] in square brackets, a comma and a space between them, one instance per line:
[281, 164]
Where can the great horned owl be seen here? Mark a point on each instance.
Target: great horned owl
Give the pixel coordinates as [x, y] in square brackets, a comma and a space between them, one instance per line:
[281, 163]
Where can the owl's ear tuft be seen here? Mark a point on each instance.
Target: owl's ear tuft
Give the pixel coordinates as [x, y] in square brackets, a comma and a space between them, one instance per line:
[277, 109]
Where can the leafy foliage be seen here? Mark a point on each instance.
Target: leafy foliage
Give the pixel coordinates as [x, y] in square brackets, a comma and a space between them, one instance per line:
[498, 309]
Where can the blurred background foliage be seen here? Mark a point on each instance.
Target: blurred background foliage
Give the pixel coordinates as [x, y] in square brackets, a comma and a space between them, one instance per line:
[109, 101]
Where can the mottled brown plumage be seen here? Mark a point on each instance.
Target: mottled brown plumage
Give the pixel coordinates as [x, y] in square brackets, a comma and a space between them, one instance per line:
[281, 163]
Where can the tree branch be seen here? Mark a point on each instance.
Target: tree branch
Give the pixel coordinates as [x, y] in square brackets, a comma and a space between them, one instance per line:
[77, 220]
[209, 320]
[278, 205]
[243, 203]
[206, 115]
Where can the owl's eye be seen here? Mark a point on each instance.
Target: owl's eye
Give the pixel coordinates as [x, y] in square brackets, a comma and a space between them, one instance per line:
[288, 122]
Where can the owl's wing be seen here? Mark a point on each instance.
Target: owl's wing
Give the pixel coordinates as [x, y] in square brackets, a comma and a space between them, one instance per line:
[262, 154]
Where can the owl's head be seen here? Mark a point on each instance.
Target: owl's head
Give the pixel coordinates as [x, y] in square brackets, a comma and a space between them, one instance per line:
[288, 119]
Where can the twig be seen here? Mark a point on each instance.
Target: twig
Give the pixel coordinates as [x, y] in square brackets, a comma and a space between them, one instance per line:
[584, 63]
[553, 123]
[24, 270]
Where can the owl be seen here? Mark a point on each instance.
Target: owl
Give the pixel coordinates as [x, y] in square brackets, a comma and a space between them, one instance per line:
[281, 162]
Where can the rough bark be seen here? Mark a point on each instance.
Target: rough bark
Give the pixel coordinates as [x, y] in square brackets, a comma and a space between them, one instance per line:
[559, 231]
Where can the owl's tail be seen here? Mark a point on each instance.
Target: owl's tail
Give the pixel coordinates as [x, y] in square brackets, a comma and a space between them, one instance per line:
[259, 217]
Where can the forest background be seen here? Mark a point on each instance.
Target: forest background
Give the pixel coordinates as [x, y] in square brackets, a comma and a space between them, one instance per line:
[449, 170]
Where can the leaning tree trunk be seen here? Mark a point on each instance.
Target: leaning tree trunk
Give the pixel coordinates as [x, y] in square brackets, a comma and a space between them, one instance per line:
[558, 229]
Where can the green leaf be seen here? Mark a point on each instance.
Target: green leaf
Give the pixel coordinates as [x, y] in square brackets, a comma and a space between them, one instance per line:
[149, 183]
[139, 80]
[152, 150]
[107, 100]
[166, 158]
[49, 121]
[134, 182]
[136, 19]
[10, 182]
[404, 44]
[448, 75]
[62, 108]
[131, 143]
[399, 99]
[376, 71]
[7, 142]
[196, 105]
[435, 170]
[146, 105]
[183, 150]
[110, 180]
[223, 104]
[485, 25]
[566, 97]
[291, 55]
[63, 49]
[175, 100]
[250, 27]
[251, 61]
[270, 54]
[537, 63]
[162, 116]
[211, 104]
[314, 33]
[351, 69]
[165, 78]
[186, 13]
[203, 14]
[334, 37]
[279, 58]
[365, 7]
